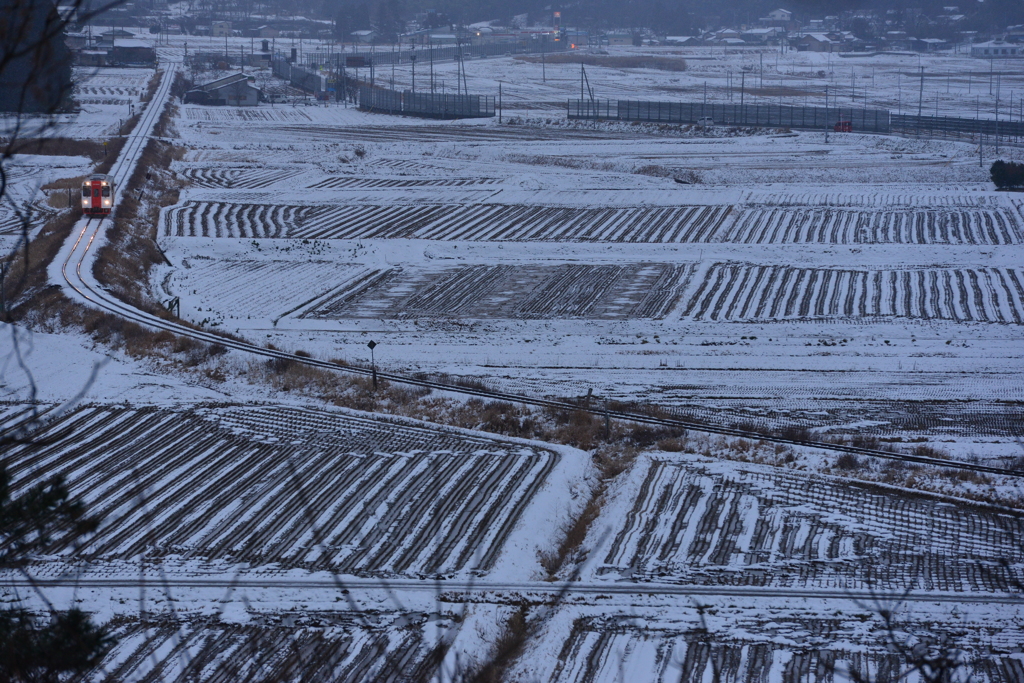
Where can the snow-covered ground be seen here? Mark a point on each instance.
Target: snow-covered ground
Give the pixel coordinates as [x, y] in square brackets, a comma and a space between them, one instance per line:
[796, 278]
[864, 285]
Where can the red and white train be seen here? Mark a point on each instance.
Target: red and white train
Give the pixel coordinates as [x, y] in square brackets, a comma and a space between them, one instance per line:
[98, 195]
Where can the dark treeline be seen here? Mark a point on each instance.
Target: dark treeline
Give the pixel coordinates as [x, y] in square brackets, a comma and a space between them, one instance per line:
[673, 17]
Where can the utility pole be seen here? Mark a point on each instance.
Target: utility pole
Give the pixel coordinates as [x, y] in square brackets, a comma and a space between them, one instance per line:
[920, 97]
[826, 113]
[997, 115]
[981, 136]
[704, 106]
[543, 59]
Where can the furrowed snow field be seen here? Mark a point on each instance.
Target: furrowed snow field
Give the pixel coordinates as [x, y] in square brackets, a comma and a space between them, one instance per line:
[868, 285]
[237, 483]
[729, 525]
[296, 531]
[557, 259]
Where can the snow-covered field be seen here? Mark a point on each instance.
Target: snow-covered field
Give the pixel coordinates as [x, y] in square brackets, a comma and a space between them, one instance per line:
[840, 277]
[868, 285]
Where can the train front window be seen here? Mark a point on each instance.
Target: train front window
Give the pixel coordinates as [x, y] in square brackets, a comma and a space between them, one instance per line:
[95, 192]
[106, 191]
[86, 192]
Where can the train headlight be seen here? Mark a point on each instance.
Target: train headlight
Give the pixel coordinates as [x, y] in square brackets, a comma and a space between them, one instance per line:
[85, 202]
[106, 202]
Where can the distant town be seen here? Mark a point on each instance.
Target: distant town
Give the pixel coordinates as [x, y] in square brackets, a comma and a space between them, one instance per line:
[131, 32]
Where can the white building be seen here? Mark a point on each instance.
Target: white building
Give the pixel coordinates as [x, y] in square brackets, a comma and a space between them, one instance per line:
[997, 49]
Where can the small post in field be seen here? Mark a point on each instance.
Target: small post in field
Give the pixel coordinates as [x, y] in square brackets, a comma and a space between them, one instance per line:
[373, 363]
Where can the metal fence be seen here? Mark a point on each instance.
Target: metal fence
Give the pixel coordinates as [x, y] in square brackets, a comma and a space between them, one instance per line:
[762, 115]
[426, 105]
[862, 120]
[959, 127]
[593, 109]
[424, 54]
[297, 75]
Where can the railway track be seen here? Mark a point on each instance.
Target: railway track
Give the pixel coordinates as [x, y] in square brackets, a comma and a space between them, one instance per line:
[76, 266]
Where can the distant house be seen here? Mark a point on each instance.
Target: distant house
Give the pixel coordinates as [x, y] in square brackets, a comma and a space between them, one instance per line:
[131, 51]
[899, 40]
[930, 44]
[91, 57]
[265, 32]
[220, 29]
[234, 90]
[116, 34]
[814, 42]
[760, 36]
[997, 49]
[365, 36]
[619, 38]
[682, 40]
[1014, 34]
[76, 41]
[780, 18]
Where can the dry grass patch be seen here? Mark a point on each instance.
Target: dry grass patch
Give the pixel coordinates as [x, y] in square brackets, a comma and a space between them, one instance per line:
[112, 151]
[560, 161]
[64, 193]
[151, 86]
[61, 147]
[50, 311]
[611, 461]
[124, 263]
[506, 648]
[26, 267]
